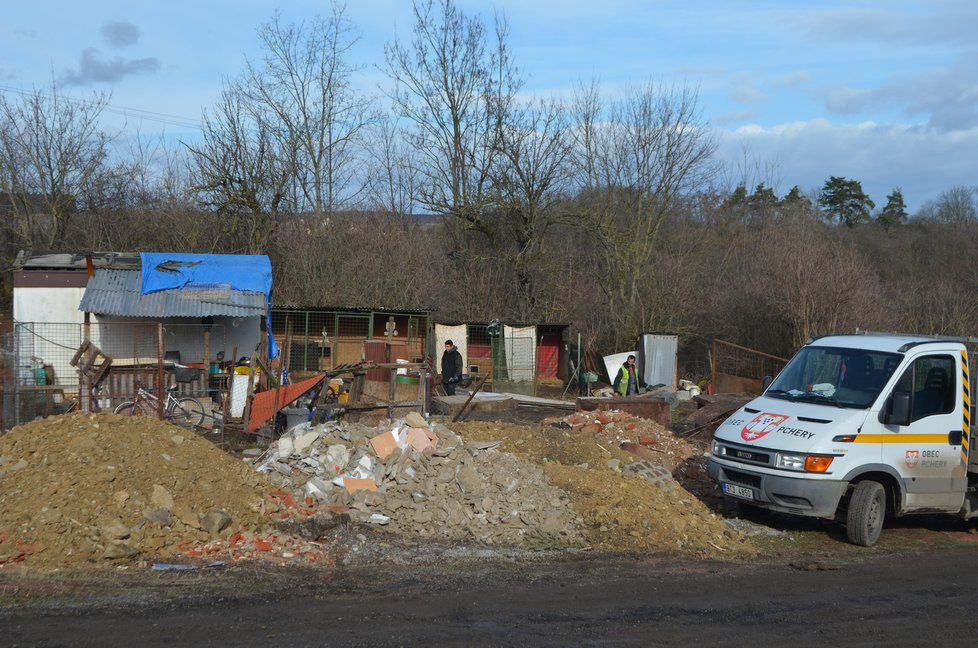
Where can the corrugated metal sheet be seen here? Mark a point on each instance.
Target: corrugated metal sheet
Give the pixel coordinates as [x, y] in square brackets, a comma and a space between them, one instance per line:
[33, 260]
[658, 358]
[118, 292]
[263, 406]
[399, 310]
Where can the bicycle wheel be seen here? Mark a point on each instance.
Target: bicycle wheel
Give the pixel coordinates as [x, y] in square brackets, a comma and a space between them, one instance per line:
[132, 408]
[187, 412]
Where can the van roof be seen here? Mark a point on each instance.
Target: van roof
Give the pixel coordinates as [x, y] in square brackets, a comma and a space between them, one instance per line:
[891, 342]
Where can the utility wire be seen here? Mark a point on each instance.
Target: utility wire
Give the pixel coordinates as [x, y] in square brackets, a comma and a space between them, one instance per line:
[147, 115]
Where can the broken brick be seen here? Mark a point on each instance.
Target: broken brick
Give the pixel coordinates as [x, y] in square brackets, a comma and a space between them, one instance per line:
[354, 484]
[384, 444]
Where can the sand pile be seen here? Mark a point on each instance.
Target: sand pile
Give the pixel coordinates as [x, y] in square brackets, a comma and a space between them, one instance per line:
[85, 488]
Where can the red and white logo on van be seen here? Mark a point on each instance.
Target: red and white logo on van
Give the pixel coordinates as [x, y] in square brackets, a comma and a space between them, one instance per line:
[762, 424]
[913, 458]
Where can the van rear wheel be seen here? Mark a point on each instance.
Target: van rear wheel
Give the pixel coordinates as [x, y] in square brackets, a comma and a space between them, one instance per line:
[867, 508]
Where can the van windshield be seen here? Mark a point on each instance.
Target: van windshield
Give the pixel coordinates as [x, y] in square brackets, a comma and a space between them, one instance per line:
[835, 376]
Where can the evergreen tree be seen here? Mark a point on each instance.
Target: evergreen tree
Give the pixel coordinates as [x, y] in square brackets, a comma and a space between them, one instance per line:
[763, 196]
[845, 202]
[895, 211]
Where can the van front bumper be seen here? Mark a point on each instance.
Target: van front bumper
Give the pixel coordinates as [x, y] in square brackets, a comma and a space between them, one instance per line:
[796, 495]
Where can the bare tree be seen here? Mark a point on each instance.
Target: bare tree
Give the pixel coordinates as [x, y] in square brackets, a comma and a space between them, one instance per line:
[636, 162]
[454, 85]
[302, 87]
[52, 152]
[955, 205]
[242, 171]
[530, 181]
[393, 177]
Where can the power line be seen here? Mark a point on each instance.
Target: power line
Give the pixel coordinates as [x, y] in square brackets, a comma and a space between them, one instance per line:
[147, 115]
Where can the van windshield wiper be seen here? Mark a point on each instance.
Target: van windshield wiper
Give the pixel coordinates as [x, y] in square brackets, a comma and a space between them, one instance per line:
[780, 393]
[820, 398]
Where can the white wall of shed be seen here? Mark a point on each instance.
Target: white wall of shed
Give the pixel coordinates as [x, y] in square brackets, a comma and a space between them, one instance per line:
[48, 305]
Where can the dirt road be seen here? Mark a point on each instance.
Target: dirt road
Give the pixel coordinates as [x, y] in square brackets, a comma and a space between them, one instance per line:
[903, 598]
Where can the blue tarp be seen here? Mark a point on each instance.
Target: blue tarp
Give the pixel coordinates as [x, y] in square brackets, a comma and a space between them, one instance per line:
[175, 270]
[169, 270]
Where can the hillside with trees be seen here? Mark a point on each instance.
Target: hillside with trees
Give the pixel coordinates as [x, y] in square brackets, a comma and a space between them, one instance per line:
[455, 190]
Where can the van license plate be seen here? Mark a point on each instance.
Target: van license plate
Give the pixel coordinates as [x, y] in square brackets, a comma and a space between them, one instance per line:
[738, 491]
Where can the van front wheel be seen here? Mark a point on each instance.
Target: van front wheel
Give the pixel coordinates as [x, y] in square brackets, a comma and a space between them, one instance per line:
[867, 508]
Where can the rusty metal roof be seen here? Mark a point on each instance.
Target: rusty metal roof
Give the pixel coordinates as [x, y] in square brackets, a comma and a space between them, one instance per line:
[119, 292]
[42, 260]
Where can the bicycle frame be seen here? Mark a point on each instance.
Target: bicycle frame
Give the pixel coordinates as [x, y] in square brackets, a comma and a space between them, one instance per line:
[185, 411]
[149, 397]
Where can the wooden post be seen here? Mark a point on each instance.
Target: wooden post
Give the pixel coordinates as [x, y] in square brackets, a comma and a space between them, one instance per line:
[391, 392]
[251, 385]
[160, 370]
[226, 406]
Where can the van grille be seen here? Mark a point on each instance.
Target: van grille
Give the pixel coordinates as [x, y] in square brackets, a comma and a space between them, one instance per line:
[737, 477]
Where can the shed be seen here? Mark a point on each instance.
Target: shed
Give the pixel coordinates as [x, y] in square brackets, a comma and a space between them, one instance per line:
[204, 305]
[519, 355]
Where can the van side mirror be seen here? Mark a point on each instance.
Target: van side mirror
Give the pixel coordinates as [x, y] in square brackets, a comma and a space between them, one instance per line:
[897, 410]
[766, 382]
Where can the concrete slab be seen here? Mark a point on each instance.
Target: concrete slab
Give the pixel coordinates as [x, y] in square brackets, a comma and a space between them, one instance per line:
[451, 405]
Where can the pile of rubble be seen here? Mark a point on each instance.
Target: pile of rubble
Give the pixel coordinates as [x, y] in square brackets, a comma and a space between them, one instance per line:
[618, 471]
[642, 437]
[420, 479]
[84, 488]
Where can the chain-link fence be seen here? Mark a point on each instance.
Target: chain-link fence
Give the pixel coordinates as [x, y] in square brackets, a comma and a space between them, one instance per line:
[40, 367]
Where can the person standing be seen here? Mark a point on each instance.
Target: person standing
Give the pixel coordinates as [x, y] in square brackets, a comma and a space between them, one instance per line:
[627, 382]
[451, 367]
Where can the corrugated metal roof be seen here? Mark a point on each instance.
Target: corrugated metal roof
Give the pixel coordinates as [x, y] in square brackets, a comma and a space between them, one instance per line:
[118, 292]
[34, 260]
[400, 310]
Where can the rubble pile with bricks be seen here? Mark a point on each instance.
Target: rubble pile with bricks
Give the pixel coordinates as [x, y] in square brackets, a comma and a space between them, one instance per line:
[641, 437]
[419, 478]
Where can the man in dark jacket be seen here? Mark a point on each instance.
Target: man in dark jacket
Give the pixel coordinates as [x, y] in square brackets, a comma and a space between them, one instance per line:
[451, 367]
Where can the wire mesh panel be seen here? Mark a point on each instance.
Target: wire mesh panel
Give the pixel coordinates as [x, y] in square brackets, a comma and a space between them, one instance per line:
[39, 379]
[514, 360]
[43, 380]
[319, 340]
[740, 369]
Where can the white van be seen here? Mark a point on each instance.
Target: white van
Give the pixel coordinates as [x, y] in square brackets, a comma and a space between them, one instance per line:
[856, 427]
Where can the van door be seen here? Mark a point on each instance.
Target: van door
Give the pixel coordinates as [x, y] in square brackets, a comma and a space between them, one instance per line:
[927, 452]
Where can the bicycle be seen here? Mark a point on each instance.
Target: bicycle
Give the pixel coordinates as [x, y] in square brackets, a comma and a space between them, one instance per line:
[186, 412]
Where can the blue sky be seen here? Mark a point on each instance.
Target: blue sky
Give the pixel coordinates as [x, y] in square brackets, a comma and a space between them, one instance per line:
[884, 92]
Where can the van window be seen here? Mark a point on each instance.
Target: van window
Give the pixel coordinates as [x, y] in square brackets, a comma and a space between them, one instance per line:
[931, 384]
[841, 377]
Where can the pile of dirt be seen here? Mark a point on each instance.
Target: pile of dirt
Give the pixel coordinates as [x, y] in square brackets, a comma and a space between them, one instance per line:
[419, 479]
[621, 511]
[84, 488]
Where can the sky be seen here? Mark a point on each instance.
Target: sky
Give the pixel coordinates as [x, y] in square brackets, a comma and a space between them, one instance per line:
[880, 91]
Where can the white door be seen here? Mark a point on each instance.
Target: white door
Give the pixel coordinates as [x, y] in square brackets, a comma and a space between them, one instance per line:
[927, 452]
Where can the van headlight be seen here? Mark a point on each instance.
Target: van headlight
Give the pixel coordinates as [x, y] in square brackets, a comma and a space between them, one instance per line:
[804, 463]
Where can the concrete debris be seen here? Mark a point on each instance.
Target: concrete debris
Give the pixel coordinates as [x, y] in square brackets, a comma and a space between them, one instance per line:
[420, 479]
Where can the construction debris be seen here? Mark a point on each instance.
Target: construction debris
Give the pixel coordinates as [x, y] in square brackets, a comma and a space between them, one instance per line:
[93, 489]
[619, 472]
[421, 479]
